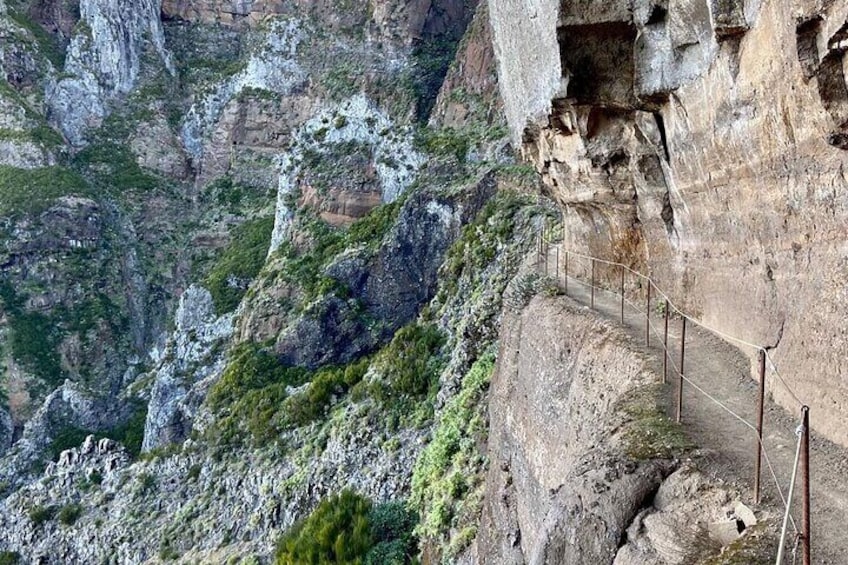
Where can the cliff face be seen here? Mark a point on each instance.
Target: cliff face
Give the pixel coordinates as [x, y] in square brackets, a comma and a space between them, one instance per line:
[254, 253]
[239, 272]
[700, 142]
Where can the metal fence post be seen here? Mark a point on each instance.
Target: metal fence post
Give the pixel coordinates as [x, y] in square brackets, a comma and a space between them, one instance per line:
[760, 405]
[592, 303]
[680, 381]
[665, 344]
[566, 272]
[648, 317]
[805, 489]
[622, 296]
[556, 264]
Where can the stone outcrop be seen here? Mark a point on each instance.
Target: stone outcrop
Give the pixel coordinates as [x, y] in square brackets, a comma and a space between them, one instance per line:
[104, 61]
[689, 517]
[69, 406]
[560, 489]
[194, 353]
[701, 142]
[345, 160]
[386, 291]
[469, 95]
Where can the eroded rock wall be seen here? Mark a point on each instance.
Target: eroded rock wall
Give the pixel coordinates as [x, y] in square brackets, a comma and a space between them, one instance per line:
[560, 489]
[701, 142]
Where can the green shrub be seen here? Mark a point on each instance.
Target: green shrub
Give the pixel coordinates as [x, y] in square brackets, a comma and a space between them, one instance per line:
[443, 142]
[113, 165]
[193, 473]
[239, 263]
[481, 239]
[251, 367]
[227, 192]
[305, 268]
[347, 529]
[32, 190]
[371, 229]
[34, 338]
[146, 483]
[9, 557]
[448, 476]
[410, 366]
[42, 134]
[66, 438]
[70, 513]
[251, 397]
[40, 514]
[330, 382]
[338, 532]
[392, 525]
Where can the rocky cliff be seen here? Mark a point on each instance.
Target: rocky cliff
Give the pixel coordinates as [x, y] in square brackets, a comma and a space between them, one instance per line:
[266, 270]
[700, 142]
[240, 272]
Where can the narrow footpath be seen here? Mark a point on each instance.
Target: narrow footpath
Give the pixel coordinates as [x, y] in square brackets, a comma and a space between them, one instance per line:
[729, 445]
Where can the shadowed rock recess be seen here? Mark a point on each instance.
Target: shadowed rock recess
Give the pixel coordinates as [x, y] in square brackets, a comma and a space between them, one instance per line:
[267, 280]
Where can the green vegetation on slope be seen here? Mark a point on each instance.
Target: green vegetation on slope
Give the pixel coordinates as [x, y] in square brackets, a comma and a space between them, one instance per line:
[46, 43]
[256, 397]
[347, 529]
[33, 337]
[239, 263]
[252, 397]
[305, 268]
[32, 190]
[480, 241]
[9, 557]
[409, 366]
[114, 166]
[447, 481]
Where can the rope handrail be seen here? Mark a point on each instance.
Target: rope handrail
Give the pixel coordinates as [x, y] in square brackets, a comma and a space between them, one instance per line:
[699, 389]
[692, 319]
[766, 361]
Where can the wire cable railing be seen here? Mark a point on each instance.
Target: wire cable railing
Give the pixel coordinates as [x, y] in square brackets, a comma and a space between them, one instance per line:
[766, 362]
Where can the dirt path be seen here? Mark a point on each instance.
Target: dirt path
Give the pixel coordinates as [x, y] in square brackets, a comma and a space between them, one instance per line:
[724, 372]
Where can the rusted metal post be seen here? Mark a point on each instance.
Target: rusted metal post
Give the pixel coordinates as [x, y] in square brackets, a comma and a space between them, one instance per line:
[760, 405]
[680, 381]
[566, 272]
[622, 296]
[665, 344]
[805, 489]
[648, 317]
[592, 302]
